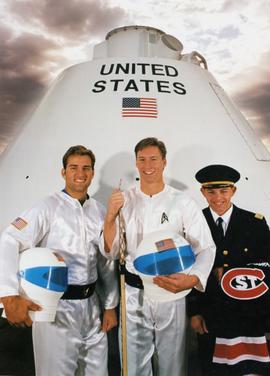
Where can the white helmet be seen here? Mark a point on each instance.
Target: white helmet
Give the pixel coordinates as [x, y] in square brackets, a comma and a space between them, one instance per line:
[43, 279]
[163, 253]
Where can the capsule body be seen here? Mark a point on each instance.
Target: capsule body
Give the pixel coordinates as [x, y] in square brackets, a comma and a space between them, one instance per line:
[139, 84]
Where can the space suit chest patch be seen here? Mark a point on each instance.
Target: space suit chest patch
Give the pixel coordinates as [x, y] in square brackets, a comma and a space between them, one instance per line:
[164, 218]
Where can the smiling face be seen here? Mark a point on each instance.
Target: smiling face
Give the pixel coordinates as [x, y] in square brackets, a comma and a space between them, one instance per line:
[78, 175]
[219, 199]
[150, 165]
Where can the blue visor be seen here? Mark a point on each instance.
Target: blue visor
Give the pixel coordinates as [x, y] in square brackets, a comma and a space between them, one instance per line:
[167, 262]
[54, 278]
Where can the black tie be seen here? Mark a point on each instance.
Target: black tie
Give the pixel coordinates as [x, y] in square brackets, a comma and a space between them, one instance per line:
[220, 227]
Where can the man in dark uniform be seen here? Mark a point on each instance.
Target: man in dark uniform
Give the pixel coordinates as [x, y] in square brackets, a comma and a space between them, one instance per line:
[230, 316]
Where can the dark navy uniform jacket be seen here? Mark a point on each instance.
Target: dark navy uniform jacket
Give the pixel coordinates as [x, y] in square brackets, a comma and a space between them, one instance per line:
[247, 241]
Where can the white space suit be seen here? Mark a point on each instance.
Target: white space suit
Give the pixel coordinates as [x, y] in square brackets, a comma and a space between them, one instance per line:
[155, 326]
[74, 343]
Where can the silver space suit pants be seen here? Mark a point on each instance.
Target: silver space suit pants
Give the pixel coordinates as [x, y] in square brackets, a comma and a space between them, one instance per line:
[155, 331]
[74, 344]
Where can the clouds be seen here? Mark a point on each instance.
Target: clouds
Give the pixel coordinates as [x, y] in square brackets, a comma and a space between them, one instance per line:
[34, 38]
[75, 20]
[23, 75]
[253, 96]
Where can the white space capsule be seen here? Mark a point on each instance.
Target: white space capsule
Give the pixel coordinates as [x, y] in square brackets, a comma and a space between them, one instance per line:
[139, 84]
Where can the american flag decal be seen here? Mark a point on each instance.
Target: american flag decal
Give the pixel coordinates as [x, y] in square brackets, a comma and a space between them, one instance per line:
[165, 244]
[139, 107]
[19, 223]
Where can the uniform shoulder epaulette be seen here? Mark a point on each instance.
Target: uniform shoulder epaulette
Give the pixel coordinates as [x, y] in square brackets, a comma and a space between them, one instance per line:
[258, 216]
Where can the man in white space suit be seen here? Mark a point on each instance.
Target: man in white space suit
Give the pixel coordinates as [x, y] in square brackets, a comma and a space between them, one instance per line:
[69, 222]
[157, 327]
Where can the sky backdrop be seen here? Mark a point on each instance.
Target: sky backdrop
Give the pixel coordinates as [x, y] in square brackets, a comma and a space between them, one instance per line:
[39, 38]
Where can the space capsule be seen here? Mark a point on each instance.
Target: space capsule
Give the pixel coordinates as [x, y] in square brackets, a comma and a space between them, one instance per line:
[139, 84]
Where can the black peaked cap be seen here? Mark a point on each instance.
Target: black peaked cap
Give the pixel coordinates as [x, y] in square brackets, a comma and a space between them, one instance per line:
[217, 176]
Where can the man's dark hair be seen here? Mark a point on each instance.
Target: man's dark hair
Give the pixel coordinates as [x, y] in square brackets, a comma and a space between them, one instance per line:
[78, 150]
[151, 141]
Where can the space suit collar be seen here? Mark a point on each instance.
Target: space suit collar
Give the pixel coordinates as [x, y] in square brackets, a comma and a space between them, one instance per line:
[64, 194]
[140, 192]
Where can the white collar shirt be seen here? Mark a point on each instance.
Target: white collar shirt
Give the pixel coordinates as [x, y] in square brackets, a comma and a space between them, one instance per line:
[226, 217]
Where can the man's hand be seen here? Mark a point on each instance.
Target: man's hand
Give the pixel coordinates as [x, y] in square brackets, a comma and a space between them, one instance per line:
[16, 309]
[218, 272]
[115, 203]
[198, 324]
[176, 282]
[109, 320]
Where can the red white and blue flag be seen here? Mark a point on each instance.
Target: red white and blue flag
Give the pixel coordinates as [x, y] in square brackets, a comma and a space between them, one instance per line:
[19, 223]
[139, 107]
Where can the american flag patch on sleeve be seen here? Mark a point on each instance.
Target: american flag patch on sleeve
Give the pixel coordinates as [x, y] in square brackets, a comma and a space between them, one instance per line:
[19, 223]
